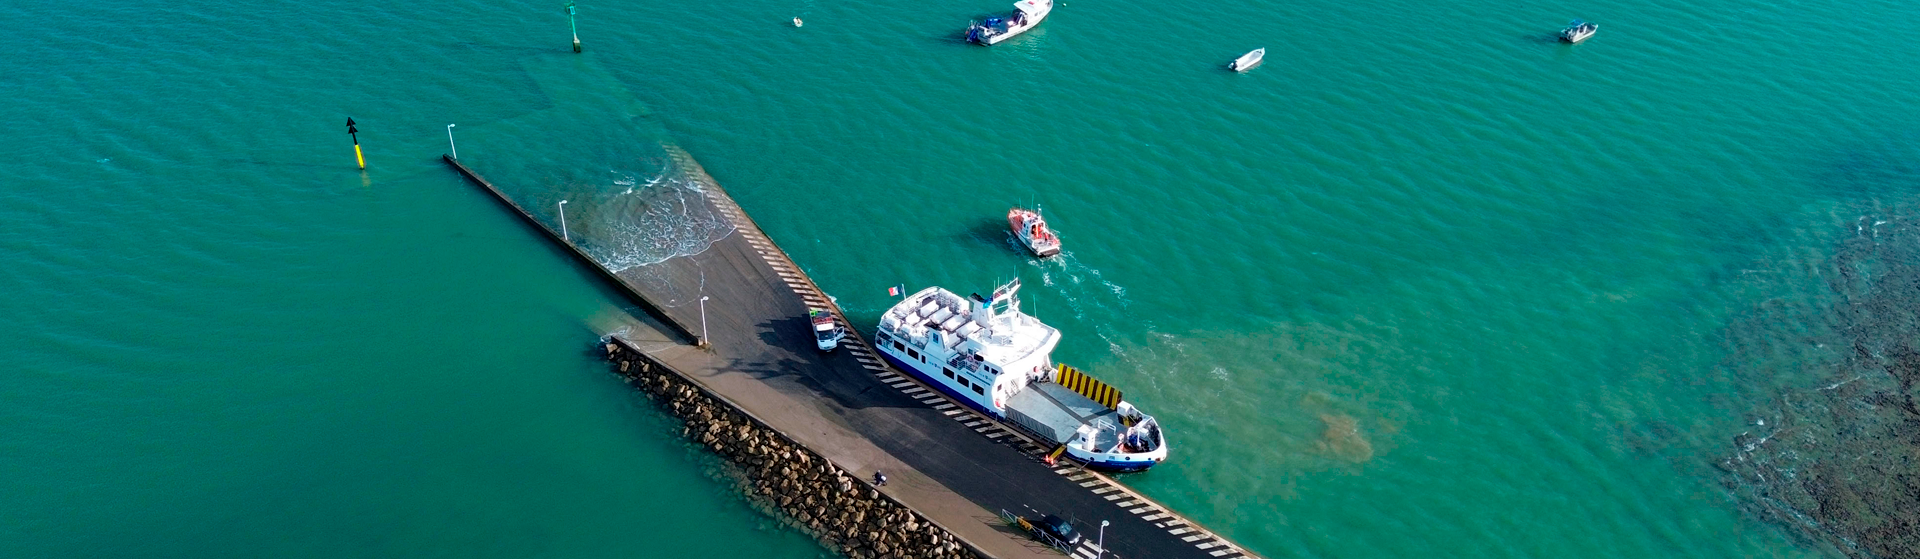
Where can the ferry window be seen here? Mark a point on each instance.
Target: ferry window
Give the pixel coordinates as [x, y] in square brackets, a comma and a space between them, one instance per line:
[949, 372]
[897, 346]
[914, 354]
[977, 390]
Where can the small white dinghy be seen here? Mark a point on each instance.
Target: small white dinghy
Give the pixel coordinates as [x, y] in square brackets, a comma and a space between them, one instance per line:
[1248, 61]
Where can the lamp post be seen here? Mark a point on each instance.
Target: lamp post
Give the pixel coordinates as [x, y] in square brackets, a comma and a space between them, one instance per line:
[1102, 552]
[456, 151]
[563, 219]
[703, 320]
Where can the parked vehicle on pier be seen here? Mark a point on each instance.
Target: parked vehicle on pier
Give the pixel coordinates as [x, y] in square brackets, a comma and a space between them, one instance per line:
[990, 356]
[1048, 529]
[827, 331]
[1058, 528]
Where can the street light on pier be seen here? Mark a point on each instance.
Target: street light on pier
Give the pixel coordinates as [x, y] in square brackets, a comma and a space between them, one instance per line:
[455, 150]
[703, 320]
[563, 220]
[1102, 552]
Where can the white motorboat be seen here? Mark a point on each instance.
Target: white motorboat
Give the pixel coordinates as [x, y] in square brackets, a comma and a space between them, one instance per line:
[1032, 232]
[987, 354]
[1026, 15]
[1248, 61]
[1578, 31]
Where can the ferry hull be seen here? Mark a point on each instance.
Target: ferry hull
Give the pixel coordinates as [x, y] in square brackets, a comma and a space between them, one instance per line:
[1122, 466]
[928, 380]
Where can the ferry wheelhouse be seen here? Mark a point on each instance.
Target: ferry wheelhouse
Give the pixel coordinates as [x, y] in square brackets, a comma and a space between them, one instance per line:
[990, 356]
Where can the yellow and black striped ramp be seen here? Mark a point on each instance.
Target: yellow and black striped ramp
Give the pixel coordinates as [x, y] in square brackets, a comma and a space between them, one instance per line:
[1087, 386]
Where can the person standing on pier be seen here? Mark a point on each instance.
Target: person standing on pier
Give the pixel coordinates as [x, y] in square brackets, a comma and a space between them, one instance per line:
[879, 479]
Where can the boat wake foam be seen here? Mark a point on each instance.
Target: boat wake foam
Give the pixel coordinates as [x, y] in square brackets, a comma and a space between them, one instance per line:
[1089, 296]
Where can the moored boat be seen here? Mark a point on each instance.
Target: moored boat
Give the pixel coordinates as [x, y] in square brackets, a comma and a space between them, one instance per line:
[1026, 14]
[988, 355]
[1032, 231]
[1248, 61]
[1578, 31]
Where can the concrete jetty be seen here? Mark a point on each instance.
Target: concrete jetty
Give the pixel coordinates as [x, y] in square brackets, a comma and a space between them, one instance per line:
[808, 429]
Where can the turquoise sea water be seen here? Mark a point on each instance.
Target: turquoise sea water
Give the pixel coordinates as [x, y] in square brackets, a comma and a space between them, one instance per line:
[1425, 283]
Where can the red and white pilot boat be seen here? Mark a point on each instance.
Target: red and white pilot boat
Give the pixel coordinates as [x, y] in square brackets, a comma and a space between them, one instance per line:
[1032, 232]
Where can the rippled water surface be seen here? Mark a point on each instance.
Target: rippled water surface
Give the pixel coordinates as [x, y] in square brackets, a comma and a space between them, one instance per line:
[1425, 283]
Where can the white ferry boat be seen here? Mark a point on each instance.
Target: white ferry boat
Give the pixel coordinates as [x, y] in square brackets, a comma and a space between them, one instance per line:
[987, 354]
[1032, 232]
[1026, 14]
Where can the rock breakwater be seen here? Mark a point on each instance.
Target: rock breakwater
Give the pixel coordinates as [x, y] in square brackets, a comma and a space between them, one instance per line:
[840, 508]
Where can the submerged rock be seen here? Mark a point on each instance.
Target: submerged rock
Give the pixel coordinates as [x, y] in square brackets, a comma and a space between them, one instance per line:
[1342, 439]
[1836, 454]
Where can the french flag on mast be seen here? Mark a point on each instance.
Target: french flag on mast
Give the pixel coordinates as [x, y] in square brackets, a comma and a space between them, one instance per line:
[897, 291]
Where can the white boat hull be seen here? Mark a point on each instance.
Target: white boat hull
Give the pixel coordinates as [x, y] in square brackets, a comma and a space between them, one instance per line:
[1579, 31]
[1248, 61]
[1036, 11]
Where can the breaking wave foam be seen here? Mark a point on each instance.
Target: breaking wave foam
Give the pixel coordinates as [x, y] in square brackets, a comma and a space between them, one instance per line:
[666, 216]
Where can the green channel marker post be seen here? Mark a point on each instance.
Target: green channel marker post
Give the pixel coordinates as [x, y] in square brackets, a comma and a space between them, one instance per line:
[575, 28]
